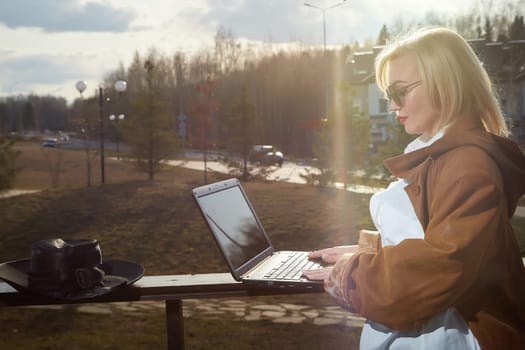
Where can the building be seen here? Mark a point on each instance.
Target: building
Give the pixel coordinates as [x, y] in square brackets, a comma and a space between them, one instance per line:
[505, 63]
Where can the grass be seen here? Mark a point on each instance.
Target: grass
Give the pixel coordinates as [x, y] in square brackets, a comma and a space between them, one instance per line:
[75, 331]
[158, 225]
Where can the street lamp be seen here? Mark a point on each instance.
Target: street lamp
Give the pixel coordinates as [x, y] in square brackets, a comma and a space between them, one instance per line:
[120, 86]
[323, 11]
[81, 87]
[116, 119]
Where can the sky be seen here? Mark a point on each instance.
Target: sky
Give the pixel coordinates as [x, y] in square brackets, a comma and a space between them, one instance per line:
[46, 46]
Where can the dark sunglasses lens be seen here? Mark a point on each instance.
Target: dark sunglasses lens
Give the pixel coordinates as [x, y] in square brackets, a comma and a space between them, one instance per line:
[394, 96]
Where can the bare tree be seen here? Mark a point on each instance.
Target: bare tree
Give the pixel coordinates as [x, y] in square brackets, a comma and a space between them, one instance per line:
[53, 158]
[85, 122]
[227, 52]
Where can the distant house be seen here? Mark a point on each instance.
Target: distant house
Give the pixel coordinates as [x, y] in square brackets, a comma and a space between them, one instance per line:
[505, 63]
[368, 99]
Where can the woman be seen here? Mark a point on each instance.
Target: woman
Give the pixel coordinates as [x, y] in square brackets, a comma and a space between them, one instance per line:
[446, 272]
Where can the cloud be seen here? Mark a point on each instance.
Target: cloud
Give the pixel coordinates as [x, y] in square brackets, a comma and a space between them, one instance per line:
[284, 21]
[65, 16]
[290, 20]
[256, 20]
[38, 70]
[5, 51]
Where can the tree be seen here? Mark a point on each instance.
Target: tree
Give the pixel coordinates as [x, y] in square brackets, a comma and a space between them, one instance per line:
[242, 127]
[322, 152]
[517, 29]
[54, 158]
[383, 36]
[488, 32]
[8, 168]
[394, 146]
[148, 129]
[202, 110]
[203, 66]
[3, 119]
[341, 147]
[85, 122]
[227, 51]
[28, 118]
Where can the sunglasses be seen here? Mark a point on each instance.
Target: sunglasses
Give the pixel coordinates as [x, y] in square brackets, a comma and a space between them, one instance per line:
[398, 95]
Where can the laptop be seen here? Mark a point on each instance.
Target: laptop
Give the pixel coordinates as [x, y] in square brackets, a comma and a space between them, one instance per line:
[245, 244]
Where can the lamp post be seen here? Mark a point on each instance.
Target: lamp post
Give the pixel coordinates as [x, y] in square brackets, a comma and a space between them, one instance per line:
[119, 86]
[323, 11]
[81, 87]
[101, 127]
[116, 119]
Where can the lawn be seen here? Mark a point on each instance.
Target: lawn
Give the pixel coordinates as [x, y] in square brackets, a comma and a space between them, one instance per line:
[158, 225]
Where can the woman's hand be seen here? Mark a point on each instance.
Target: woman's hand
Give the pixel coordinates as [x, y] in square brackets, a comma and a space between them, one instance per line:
[333, 278]
[331, 255]
[327, 256]
[318, 274]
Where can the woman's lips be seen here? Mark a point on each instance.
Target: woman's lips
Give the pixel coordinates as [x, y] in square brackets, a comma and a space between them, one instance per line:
[402, 119]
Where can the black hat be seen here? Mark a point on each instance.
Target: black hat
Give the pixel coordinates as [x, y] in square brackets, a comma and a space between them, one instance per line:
[69, 269]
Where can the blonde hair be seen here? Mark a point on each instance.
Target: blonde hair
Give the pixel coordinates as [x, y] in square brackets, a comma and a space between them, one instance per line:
[456, 81]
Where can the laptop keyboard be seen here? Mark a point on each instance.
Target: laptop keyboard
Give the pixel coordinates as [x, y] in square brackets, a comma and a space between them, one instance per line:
[292, 268]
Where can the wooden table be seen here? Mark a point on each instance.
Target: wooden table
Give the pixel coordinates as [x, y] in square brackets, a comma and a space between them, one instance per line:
[172, 289]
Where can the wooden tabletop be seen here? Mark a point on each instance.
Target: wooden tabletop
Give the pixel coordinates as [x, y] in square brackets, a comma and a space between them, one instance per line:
[158, 287]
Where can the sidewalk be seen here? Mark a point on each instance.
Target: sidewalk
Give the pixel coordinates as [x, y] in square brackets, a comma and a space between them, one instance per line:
[221, 309]
[11, 193]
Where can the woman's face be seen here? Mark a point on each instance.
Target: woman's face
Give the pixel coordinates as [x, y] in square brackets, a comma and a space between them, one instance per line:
[409, 98]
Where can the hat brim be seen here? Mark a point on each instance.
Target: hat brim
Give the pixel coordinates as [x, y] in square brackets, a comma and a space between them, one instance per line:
[118, 273]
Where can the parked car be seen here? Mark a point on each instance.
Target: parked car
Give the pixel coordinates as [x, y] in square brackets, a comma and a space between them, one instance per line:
[50, 143]
[266, 154]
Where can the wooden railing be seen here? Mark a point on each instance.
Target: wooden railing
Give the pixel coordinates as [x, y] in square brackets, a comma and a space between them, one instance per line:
[172, 289]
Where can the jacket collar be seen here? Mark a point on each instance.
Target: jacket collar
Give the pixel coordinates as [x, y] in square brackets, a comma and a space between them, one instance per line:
[464, 131]
[468, 132]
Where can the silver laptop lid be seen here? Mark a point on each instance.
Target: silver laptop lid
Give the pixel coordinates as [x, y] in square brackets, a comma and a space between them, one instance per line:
[234, 225]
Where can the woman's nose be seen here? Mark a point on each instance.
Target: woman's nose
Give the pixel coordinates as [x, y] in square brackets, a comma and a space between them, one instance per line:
[393, 106]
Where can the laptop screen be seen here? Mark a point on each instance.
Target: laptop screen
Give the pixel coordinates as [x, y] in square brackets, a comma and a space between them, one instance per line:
[235, 226]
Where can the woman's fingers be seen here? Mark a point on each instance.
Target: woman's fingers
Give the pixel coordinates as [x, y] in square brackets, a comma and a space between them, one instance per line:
[330, 258]
[330, 255]
[316, 254]
[317, 274]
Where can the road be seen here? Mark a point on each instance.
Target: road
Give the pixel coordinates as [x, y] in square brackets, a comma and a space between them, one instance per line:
[288, 172]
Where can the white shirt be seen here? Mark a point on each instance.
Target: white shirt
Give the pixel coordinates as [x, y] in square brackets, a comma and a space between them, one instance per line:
[394, 216]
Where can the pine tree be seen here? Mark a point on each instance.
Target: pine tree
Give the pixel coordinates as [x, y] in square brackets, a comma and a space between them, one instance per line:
[488, 32]
[242, 127]
[517, 29]
[147, 129]
[8, 167]
[383, 36]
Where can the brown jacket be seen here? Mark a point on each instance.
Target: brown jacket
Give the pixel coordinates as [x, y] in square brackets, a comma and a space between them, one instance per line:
[464, 188]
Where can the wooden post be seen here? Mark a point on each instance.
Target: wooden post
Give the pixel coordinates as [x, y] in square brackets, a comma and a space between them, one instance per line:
[174, 324]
